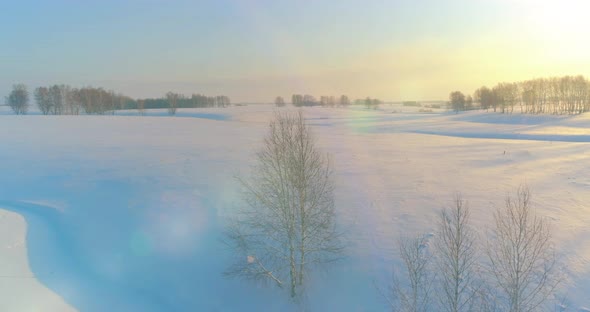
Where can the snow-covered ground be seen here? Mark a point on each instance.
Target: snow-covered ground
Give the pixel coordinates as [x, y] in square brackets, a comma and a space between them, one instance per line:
[125, 212]
[20, 289]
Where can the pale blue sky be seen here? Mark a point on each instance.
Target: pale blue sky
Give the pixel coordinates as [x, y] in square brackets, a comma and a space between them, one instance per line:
[254, 50]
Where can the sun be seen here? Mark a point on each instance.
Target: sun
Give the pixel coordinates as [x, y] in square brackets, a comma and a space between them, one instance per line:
[558, 19]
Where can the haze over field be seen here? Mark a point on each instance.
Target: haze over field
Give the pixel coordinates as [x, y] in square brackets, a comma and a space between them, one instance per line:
[254, 50]
[282, 155]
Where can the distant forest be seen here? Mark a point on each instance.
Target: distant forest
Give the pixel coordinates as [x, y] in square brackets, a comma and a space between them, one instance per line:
[555, 95]
[299, 100]
[66, 100]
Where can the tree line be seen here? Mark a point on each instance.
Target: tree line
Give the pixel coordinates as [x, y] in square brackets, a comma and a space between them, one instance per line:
[299, 100]
[66, 100]
[554, 95]
[172, 99]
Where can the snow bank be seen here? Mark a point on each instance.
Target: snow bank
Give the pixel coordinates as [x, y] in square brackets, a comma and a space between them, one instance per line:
[19, 289]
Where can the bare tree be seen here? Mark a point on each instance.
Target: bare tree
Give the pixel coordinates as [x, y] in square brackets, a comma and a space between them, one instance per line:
[344, 100]
[331, 101]
[288, 225]
[414, 295]
[468, 102]
[309, 100]
[141, 107]
[456, 256]
[18, 99]
[72, 106]
[43, 99]
[521, 257]
[457, 100]
[555, 95]
[297, 100]
[113, 101]
[56, 95]
[172, 99]
[368, 102]
[279, 101]
[484, 96]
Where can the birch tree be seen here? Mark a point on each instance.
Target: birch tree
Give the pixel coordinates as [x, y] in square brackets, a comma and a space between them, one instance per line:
[521, 257]
[414, 293]
[172, 99]
[287, 225]
[456, 258]
[18, 99]
[141, 107]
[43, 99]
[279, 101]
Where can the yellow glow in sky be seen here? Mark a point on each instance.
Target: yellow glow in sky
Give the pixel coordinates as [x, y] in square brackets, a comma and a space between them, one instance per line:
[254, 51]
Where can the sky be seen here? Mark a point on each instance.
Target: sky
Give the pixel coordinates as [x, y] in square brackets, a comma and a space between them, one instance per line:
[255, 50]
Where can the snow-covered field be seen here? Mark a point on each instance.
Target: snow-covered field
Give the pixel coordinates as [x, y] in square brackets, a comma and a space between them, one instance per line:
[124, 213]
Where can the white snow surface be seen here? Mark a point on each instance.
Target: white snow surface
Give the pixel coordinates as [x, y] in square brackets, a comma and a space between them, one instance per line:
[19, 289]
[125, 212]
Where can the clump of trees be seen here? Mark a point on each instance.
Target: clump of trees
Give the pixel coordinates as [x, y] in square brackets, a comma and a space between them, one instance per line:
[279, 101]
[18, 99]
[344, 100]
[299, 100]
[66, 100]
[327, 100]
[457, 101]
[515, 271]
[287, 227]
[172, 101]
[372, 103]
[555, 95]
[368, 102]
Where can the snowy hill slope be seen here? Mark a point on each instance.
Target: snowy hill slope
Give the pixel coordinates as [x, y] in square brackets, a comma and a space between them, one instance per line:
[127, 211]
